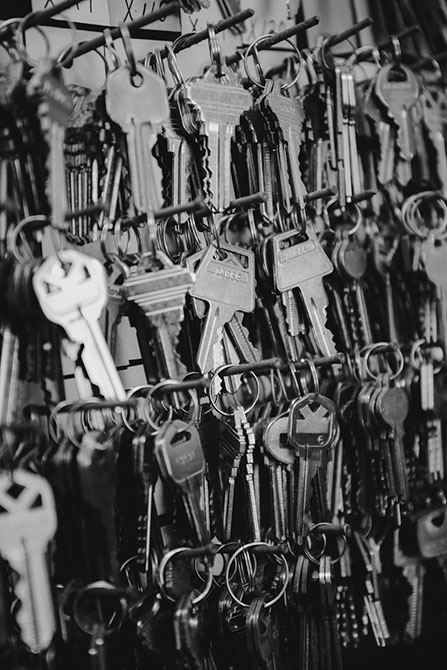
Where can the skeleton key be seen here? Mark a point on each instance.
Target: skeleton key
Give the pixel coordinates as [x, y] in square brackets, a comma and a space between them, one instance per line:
[303, 265]
[72, 291]
[181, 461]
[27, 524]
[139, 105]
[55, 107]
[160, 296]
[435, 264]
[310, 434]
[220, 101]
[225, 278]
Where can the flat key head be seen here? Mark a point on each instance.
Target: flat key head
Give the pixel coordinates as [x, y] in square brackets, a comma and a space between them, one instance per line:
[226, 276]
[435, 263]
[296, 261]
[142, 99]
[275, 440]
[179, 452]
[69, 286]
[28, 512]
[311, 422]
[221, 101]
[351, 259]
[392, 406]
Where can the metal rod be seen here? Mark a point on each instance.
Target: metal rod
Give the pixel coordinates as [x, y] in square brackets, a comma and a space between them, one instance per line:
[360, 197]
[266, 364]
[331, 529]
[178, 387]
[248, 200]
[193, 206]
[278, 37]
[132, 26]
[42, 15]
[318, 362]
[190, 40]
[321, 193]
[96, 208]
[353, 30]
[400, 36]
[388, 348]
[430, 59]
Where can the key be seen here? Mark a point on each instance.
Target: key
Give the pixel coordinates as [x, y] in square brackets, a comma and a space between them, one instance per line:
[54, 108]
[432, 101]
[240, 339]
[303, 265]
[139, 106]
[97, 484]
[9, 376]
[310, 434]
[191, 632]
[435, 263]
[225, 279]
[288, 117]
[435, 449]
[160, 296]
[220, 102]
[72, 291]
[232, 448]
[274, 440]
[427, 381]
[27, 524]
[351, 260]
[398, 89]
[252, 498]
[180, 458]
[262, 633]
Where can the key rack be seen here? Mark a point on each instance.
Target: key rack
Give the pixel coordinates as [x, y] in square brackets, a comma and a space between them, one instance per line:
[223, 336]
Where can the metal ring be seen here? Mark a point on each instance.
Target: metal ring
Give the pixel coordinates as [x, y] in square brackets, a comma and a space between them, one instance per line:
[161, 582]
[244, 547]
[69, 426]
[396, 50]
[215, 50]
[212, 400]
[20, 44]
[13, 233]
[176, 72]
[133, 393]
[147, 415]
[314, 375]
[369, 350]
[106, 588]
[110, 49]
[53, 422]
[315, 558]
[131, 62]
[359, 220]
[262, 38]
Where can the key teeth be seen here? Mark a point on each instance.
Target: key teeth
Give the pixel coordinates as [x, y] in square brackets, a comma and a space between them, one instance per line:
[24, 617]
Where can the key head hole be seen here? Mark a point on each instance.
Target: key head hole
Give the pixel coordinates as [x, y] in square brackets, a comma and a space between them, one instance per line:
[439, 520]
[397, 75]
[180, 438]
[137, 80]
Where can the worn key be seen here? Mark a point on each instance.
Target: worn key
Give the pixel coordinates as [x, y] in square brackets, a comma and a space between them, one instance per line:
[310, 434]
[225, 279]
[72, 291]
[27, 524]
[139, 105]
[302, 265]
[181, 461]
[435, 264]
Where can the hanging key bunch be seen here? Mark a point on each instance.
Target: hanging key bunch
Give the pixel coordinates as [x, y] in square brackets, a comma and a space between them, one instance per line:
[223, 345]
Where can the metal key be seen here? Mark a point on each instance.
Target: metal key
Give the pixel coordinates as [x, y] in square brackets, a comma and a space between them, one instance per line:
[160, 296]
[303, 265]
[310, 434]
[72, 291]
[180, 458]
[139, 105]
[435, 264]
[27, 524]
[225, 279]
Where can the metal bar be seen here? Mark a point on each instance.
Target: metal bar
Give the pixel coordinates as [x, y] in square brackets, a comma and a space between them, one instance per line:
[353, 30]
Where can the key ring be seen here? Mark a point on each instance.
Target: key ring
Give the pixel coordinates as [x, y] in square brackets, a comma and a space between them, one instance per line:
[174, 67]
[215, 50]
[100, 588]
[371, 349]
[313, 371]
[259, 84]
[244, 548]
[316, 558]
[110, 49]
[161, 580]
[212, 400]
[131, 62]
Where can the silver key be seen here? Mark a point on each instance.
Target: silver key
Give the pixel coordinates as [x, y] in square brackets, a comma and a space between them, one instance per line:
[72, 291]
[435, 264]
[225, 279]
[139, 107]
[27, 524]
[303, 265]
